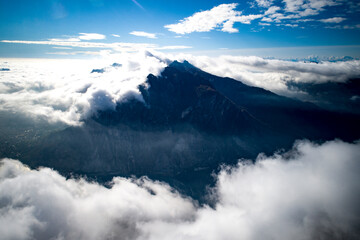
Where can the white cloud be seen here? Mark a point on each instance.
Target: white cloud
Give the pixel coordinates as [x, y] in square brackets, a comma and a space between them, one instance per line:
[115, 35]
[306, 8]
[298, 9]
[293, 5]
[175, 47]
[91, 36]
[143, 34]
[333, 20]
[272, 10]
[51, 207]
[264, 3]
[82, 36]
[223, 16]
[71, 39]
[357, 26]
[138, 4]
[291, 25]
[54, 89]
[116, 46]
[311, 193]
[51, 89]
[75, 53]
[273, 74]
[64, 48]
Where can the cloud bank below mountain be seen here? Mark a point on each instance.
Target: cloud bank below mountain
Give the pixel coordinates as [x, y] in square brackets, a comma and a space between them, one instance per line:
[311, 192]
[275, 74]
[69, 91]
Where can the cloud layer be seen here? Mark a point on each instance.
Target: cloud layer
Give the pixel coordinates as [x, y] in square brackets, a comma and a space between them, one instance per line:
[67, 91]
[273, 74]
[311, 192]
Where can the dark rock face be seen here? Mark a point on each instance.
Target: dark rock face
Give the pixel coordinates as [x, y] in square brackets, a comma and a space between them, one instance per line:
[116, 65]
[189, 123]
[334, 96]
[101, 70]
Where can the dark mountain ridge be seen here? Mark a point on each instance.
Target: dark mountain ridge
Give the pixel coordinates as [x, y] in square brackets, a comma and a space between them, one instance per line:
[189, 123]
[184, 93]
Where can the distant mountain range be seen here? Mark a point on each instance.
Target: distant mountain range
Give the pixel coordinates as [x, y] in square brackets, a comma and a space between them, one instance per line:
[188, 124]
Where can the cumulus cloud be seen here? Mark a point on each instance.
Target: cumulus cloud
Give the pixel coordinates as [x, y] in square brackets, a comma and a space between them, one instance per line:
[143, 34]
[333, 20]
[52, 89]
[264, 3]
[300, 11]
[41, 204]
[308, 7]
[223, 16]
[272, 10]
[311, 192]
[274, 74]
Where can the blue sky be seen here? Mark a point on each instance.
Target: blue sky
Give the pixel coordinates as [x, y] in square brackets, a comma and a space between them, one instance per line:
[283, 28]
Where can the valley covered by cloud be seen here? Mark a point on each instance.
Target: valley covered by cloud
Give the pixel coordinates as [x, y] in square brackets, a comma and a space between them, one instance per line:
[69, 91]
[310, 192]
[192, 120]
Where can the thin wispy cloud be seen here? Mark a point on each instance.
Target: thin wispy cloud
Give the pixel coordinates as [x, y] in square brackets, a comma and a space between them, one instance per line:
[71, 39]
[138, 4]
[143, 34]
[175, 47]
[115, 46]
[65, 48]
[119, 46]
[91, 36]
[81, 37]
[333, 20]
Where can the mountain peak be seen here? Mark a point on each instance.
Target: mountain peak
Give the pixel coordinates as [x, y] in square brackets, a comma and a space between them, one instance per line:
[185, 65]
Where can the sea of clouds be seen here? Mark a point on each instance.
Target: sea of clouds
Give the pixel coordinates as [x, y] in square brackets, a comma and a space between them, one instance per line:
[311, 192]
[275, 74]
[68, 91]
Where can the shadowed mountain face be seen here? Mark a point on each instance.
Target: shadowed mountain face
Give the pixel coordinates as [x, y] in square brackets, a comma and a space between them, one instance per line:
[189, 123]
[335, 96]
